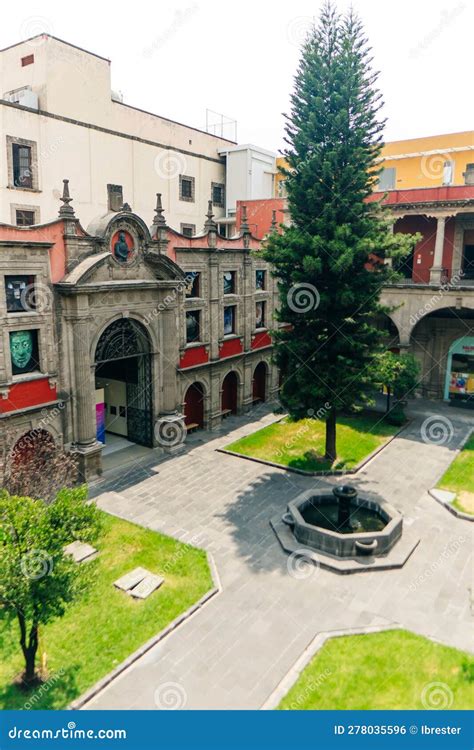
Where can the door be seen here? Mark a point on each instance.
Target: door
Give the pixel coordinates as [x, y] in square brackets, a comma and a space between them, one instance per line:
[468, 262]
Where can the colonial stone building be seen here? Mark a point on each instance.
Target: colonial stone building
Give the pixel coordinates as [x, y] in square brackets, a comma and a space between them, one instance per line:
[128, 331]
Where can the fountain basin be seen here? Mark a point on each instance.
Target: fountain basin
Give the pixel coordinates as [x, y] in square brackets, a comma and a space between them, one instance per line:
[361, 527]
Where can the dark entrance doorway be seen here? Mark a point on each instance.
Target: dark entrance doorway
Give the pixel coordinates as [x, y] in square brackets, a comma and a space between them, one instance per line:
[468, 262]
[194, 406]
[229, 394]
[259, 383]
[123, 381]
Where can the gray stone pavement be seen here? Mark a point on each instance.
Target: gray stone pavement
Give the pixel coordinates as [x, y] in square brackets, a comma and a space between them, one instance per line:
[235, 651]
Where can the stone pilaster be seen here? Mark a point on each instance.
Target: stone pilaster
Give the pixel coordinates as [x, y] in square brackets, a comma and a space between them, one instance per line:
[436, 272]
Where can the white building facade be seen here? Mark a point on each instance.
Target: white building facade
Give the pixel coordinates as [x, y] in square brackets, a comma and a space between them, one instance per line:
[59, 117]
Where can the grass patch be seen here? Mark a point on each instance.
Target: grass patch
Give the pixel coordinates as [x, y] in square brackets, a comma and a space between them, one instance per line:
[459, 478]
[99, 631]
[380, 671]
[300, 444]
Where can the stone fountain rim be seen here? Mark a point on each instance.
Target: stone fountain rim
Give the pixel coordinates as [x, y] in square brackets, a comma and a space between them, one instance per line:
[394, 515]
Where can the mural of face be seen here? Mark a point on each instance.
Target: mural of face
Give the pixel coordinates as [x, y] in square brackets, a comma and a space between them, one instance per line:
[21, 347]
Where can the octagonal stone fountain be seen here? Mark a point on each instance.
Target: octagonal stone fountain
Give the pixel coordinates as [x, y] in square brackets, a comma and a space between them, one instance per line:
[345, 530]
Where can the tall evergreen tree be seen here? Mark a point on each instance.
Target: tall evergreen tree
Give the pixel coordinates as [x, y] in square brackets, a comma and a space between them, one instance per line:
[328, 296]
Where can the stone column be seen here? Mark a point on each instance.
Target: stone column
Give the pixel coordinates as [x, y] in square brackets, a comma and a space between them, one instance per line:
[88, 448]
[169, 360]
[214, 281]
[436, 271]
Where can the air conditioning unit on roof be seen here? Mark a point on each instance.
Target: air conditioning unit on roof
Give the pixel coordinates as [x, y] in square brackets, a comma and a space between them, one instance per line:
[25, 96]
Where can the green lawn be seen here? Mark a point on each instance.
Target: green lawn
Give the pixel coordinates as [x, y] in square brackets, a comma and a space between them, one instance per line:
[300, 444]
[100, 631]
[459, 478]
[391, 670]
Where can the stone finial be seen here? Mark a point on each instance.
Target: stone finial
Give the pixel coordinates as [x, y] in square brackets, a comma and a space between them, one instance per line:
[66, 210]
[159, 220]
[274, 224]
[244, 227]
[210, 225]
[127, 207]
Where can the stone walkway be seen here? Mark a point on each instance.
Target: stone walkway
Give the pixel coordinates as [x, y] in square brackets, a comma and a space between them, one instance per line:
[235, 651]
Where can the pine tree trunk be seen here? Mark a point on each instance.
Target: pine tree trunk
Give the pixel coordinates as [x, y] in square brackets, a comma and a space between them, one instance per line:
[29, 647]
[330, 453]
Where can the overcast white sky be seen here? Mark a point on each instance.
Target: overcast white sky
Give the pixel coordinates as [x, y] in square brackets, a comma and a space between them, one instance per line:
[178, 58]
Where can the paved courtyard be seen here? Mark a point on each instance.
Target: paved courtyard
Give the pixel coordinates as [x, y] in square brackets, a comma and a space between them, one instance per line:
[235, 651]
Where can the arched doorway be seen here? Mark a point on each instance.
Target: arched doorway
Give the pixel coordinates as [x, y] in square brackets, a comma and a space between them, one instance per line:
[194, 406]
[459, 385]
[230, 387]
[124, 382]
[259, 384]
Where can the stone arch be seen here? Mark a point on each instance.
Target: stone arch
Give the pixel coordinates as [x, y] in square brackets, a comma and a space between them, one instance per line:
[260, 382]
[194, 404]
[230, 393]
[430, 341]
[123, 373]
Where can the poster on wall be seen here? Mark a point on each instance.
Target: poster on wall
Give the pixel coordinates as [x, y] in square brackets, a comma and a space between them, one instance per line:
[100, 415]
[24, 352]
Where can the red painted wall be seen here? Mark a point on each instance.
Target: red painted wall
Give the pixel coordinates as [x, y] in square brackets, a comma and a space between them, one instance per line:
[230, 347]
[29, 393]
[196, 355]
[53, 232]
[259, 215]
[424, 250]
[261, 339]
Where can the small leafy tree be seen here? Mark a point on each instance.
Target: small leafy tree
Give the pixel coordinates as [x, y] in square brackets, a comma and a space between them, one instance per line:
[37, 579]
[399, 373]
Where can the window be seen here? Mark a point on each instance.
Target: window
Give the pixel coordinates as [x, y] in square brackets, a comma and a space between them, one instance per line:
[189, 230]
[229, 282]
[229, 320]
[469, 174]
[223, 230]
[281, 188]
[448, 172]
[193, 288]
[28, 60]
[193, 326]
[387, 179]
[24, 218]
[24, 352]
[260, 280]
[260, 315]
[20, 293]
[217, 192]
[186, 188]
[114, 197]
[22, 166]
